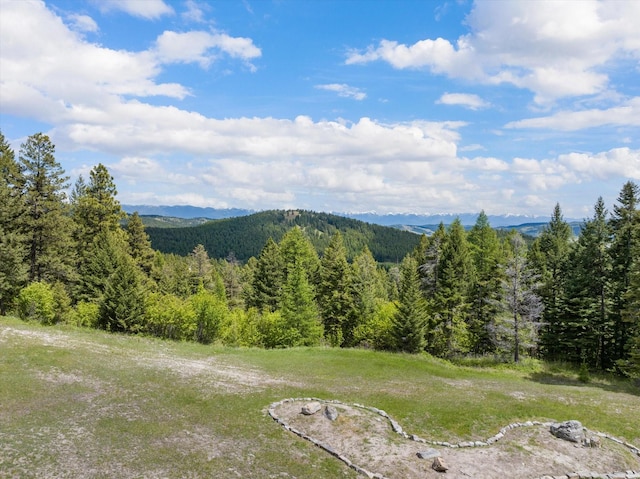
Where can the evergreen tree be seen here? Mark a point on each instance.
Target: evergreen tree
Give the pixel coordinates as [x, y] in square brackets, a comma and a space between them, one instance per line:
[368, 291]
[139, 244]
[267, 279]
[200, 266]
[78, 191]
[123, 304]
[334, 292]
[49, 241]
[630, 364]
[451, 301]
[108, 250]
[13, 251]
[410, 321]
[554, 246]
[296, 249]
[624, 223]
[173, 275]
[521, 303]
[589, 331]
[299, 309]
[429, 258]
[96, 208]
[487, 259]
[95, 212]
[231, 274]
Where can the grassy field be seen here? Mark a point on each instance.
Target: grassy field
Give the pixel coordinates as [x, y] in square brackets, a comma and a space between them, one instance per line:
[83, 403]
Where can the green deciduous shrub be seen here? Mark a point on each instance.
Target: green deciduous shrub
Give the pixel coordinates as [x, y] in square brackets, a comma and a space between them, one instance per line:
[168, 316]
[36, 302]
[85, 315]
[375, 331]
[240, 328]
[210, 313]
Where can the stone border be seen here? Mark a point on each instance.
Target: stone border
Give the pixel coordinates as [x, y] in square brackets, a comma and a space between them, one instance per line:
[412, 437]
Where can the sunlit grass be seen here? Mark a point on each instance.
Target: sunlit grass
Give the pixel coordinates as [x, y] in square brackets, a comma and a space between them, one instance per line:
[122, 406]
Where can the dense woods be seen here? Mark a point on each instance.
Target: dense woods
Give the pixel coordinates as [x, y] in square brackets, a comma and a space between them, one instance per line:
[245, 236]
[305, 279]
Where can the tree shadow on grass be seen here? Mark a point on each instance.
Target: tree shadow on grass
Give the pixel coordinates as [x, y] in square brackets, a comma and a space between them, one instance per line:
[608, 383]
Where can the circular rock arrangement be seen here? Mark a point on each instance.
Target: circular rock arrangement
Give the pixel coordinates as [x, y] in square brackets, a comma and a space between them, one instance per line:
[571, 431]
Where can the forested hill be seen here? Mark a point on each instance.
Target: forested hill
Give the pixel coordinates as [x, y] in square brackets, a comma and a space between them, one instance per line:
[245, 236]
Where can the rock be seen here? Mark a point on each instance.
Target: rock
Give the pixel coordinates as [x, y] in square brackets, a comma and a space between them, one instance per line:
[331, 413]
[568, 430]
[311, 408]
[395, 426]
[428, 454]
[593, 441]
[439, 465]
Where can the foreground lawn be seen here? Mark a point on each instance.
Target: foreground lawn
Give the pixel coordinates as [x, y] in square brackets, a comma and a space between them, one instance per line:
[82, 403]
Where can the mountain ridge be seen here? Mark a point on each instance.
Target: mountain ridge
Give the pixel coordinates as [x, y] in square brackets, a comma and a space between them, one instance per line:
[388, 219]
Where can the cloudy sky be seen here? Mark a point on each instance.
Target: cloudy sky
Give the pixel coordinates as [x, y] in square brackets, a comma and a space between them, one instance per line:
[346, 106]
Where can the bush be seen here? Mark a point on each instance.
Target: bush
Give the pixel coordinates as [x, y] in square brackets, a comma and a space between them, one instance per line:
[583, 374]
[210, 313]
[375, 332]
[275, 332]
[241, 328]
[168, 316]
[85, 315]
[36, 302]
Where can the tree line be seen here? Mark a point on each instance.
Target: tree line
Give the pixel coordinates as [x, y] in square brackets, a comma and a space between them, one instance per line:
[68, 258]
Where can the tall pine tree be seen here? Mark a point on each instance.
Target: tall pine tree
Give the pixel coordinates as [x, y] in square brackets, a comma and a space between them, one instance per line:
[518, 328]
[624, 224]
[334, 292]
[268, 279]
[139, 244]
[13, 252]
[554, 246]
[299, 309]
[368, 290]
[451, 301]
[589, 331]
[410, 321]
[487, 259]
[49, 241]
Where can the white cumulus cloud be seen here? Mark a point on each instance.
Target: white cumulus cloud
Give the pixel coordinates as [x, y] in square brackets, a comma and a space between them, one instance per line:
[555, 49]
[202, 47]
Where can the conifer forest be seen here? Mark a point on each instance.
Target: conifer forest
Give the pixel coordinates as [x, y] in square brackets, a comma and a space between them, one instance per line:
[69, 254]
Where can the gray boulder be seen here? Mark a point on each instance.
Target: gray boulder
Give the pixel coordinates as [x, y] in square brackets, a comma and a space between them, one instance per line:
[331, 413]
[311, 408]
[428, 454]
[568, 430]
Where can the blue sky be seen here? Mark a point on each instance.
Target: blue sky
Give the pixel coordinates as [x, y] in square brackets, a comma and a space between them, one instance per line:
[345, 106]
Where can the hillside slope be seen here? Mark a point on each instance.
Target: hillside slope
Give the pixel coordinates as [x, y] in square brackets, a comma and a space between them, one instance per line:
[245, 236]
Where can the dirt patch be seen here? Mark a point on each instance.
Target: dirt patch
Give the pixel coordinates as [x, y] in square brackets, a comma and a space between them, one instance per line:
[210, 372]
[366, 439]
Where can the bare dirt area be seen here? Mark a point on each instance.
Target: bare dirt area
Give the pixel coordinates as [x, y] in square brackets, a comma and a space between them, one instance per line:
[210, 371]
[367, 440]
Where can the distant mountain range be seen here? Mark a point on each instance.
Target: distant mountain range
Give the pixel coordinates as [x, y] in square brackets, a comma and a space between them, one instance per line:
[187, 211]
[181, 216]
[528, 229]
[467, 219]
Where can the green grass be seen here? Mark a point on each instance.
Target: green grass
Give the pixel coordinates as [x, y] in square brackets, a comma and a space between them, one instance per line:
[84, 403]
